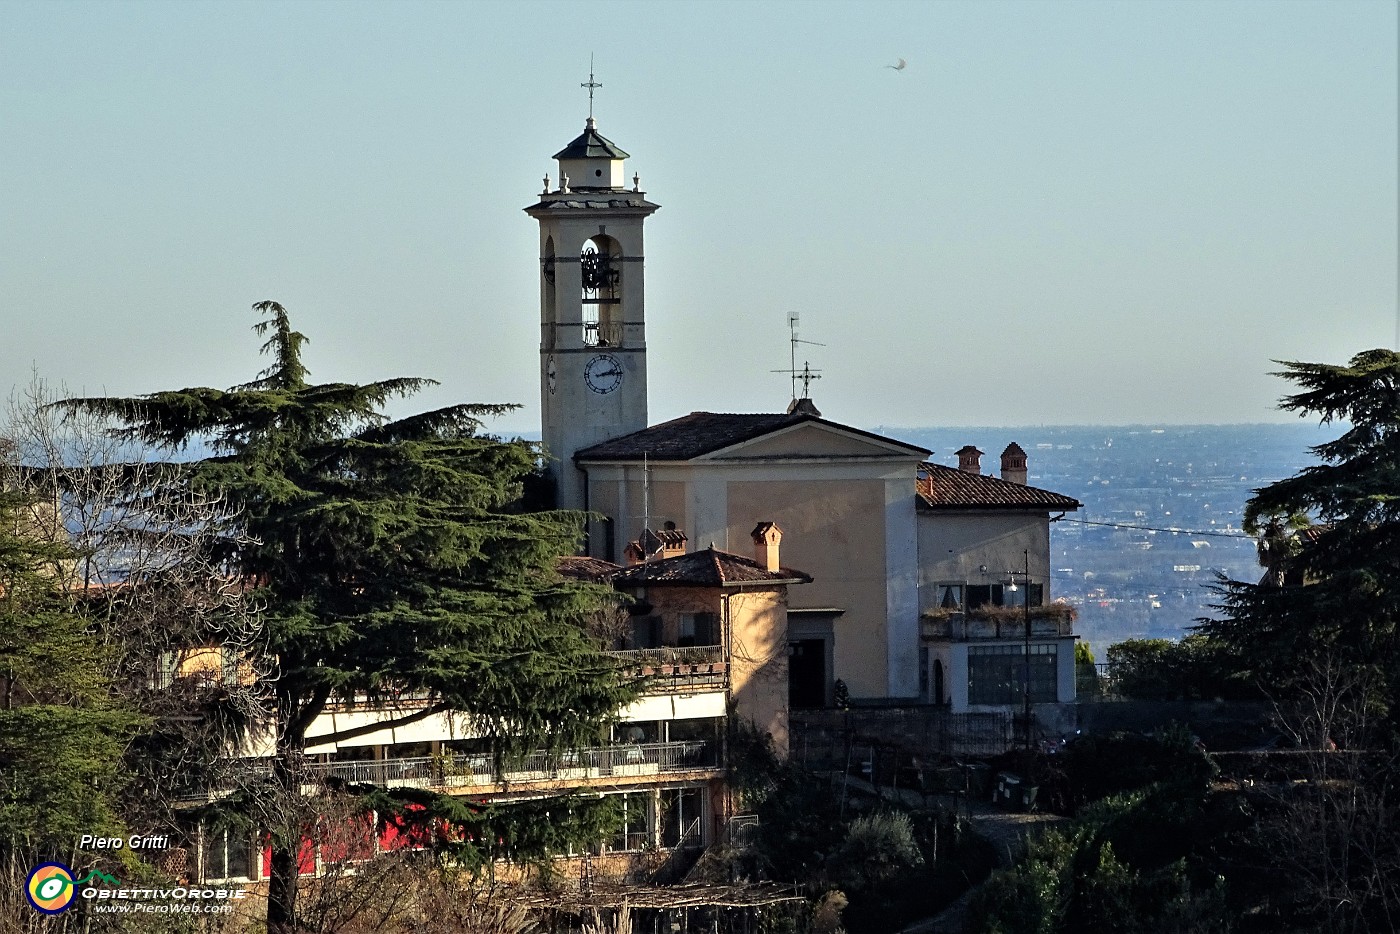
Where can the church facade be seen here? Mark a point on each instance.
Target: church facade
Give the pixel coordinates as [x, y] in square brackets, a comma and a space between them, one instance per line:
[915, 567]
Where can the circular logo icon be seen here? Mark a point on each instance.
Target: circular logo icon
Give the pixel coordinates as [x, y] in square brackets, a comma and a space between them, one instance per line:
[50, 888]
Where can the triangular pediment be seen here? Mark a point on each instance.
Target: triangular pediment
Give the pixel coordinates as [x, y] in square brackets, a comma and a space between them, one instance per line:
[815, 439]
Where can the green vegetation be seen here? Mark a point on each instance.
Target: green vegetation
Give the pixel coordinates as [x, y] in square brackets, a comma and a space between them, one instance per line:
[1308, 841]
[61, 732]
[1336, 589]
[1087, 685]
[894, 866]
[389, 555]
[1076, 881]
[1193, 668]
[1137, 857]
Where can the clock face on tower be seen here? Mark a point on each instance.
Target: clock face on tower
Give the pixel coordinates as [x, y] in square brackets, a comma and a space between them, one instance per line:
[603, 373]
[551, 373]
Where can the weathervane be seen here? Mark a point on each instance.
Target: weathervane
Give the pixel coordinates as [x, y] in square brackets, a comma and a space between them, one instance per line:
[591, 85]
[806, 374]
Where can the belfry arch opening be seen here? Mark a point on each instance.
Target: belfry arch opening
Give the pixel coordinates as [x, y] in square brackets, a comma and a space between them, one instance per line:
[600, 269]
[549, 309]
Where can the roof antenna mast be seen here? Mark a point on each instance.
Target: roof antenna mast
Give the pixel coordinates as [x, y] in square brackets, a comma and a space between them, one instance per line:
[806, 374]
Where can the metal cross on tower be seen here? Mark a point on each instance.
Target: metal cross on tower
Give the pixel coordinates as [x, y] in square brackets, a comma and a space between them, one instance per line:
[591, 85]
[806, 374]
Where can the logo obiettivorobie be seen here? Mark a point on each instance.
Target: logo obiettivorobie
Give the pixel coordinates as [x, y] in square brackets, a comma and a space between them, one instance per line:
[51, 887]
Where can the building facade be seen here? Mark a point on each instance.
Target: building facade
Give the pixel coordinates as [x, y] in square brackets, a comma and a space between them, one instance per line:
[885, 536]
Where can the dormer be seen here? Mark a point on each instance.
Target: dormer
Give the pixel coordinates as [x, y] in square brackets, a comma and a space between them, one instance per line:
[591, 162]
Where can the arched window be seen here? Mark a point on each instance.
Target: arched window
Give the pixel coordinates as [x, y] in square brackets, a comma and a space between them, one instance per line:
[549, 308]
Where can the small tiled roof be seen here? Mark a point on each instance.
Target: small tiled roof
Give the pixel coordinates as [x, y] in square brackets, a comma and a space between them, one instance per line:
[701, 433]
[591, 144]
[595, 570]
[948, 488]
[708, 568]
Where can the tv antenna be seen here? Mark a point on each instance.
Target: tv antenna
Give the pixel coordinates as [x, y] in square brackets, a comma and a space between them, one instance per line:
[806, 374]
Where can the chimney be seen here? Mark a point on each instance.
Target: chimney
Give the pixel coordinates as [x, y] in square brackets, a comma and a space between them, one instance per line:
[970, 459]
[673, 540]
[1013, 464]
[766, 538]
[667, 542]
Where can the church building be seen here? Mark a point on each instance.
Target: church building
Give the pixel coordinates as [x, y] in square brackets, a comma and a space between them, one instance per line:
[916, 568]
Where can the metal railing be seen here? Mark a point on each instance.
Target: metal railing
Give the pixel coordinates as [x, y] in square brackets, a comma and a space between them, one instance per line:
[671, 655]
[677, 669]
[449, 770]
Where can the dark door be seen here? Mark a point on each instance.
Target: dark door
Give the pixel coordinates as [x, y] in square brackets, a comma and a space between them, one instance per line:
[807, 673]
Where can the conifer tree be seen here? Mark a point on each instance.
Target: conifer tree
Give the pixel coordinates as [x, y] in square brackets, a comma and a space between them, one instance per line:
[61, 733]
[391, 556]
[1335, 589]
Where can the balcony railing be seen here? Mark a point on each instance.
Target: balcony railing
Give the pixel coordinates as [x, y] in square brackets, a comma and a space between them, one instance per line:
[678, 669]
[671, 655]
[997, 623]
[464, 771]
[450, 770]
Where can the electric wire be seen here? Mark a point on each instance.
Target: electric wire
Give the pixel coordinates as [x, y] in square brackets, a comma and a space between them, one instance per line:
[1153, 528]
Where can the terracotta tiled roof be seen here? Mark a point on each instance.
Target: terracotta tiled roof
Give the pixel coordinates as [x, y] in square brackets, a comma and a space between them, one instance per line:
[948, 488]
[702, 433]
[579, 568]
[708, 568]
[1312, 533]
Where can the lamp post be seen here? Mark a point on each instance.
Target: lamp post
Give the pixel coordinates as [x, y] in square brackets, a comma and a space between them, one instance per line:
[1026, 657]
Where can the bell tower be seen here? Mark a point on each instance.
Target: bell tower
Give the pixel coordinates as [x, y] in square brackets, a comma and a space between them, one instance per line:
[593, 355]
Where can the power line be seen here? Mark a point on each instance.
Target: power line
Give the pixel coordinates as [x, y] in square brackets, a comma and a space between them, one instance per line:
[1153, 528]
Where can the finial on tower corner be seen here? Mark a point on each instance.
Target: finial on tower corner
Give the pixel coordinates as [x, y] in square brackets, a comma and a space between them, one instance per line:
[636, 181]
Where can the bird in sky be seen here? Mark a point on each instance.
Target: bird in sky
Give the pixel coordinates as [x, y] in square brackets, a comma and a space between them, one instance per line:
[900, 66]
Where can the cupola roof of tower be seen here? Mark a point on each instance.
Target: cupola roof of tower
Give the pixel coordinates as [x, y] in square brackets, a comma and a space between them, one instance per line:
[1013, 450]
[591, 145]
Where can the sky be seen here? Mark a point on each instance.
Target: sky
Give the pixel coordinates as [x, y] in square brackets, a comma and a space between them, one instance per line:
[1111, 212]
